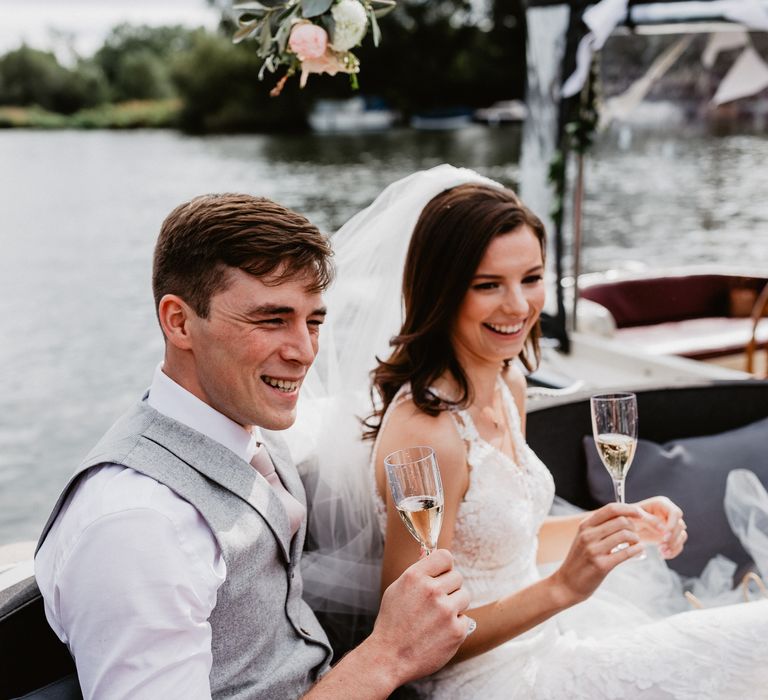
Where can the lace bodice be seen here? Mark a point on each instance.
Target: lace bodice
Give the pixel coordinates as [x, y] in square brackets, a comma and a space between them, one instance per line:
[494, 540]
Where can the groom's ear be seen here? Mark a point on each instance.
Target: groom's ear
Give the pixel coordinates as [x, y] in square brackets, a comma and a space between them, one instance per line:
[176, 319]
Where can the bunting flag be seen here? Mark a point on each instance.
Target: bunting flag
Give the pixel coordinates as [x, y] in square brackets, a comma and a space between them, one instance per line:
[723, 41]
[621, 106]
[748, 76]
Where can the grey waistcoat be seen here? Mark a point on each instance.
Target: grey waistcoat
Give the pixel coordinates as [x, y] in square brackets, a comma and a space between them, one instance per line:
[266, 641]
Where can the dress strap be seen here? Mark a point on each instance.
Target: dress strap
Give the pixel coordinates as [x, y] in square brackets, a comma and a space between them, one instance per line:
[515, 424]
[465, 426]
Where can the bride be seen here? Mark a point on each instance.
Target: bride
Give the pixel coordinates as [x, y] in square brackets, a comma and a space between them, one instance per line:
[472, 286]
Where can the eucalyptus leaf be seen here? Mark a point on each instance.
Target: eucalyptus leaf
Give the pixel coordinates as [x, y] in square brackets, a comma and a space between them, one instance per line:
[382, 7]
[282, 35]
[245, 32]
[268, 65]
[328, 23]
[274, 21]
[315, 8]
[287, 12]
[375, 31]
[265, 40]
[248, 17]
[261, 5]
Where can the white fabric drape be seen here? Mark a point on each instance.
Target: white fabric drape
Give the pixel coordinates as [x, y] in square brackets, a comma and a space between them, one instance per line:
[601, 19]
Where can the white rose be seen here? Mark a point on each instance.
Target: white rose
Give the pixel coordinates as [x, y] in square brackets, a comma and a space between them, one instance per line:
[350, 24]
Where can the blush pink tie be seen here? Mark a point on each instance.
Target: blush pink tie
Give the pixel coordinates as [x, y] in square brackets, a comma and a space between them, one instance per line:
[262, 462]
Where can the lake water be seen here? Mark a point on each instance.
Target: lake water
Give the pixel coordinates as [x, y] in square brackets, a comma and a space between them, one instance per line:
[80, 212]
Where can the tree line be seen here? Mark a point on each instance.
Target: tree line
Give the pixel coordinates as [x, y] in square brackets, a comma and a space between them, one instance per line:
[432, 55]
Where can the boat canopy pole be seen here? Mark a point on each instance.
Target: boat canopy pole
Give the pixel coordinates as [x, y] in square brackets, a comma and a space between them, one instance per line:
[551, 207]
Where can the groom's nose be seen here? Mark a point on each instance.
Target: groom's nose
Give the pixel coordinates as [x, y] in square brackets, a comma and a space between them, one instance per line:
[300, 346]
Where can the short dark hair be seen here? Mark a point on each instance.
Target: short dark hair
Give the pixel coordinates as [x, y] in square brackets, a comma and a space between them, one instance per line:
[451, 236]
[200, 239]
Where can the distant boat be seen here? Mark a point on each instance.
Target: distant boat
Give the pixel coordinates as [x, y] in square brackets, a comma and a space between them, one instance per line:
[504, 112]
[354, 114]
[442, 119]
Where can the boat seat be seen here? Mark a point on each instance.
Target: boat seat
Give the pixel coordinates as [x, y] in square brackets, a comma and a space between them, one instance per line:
[695, 338]
[66, 688]
[36, 664]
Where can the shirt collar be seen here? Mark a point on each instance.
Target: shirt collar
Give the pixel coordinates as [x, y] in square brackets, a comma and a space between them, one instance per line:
[173, 400]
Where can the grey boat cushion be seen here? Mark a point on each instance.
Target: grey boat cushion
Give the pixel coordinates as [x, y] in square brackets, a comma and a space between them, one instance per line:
[64, 689]
[35, 664]
[692, 472]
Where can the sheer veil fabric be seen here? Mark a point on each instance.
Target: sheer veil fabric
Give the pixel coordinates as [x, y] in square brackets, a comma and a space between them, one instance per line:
[341, 568]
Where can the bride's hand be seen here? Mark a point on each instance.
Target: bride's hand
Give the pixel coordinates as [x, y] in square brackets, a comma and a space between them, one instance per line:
[591, 556]
[667, 528]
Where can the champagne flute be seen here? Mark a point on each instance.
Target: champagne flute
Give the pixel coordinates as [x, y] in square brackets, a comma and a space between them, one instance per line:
[417, 492]
[614, 426]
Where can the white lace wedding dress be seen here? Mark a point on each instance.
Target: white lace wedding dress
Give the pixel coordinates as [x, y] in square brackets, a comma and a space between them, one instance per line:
[607, 648]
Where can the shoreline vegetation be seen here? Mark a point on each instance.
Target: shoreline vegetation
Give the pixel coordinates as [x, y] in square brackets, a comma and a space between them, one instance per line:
[132, 114]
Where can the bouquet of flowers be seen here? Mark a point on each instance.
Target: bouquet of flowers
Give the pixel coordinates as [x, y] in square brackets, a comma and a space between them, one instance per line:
[310, 36]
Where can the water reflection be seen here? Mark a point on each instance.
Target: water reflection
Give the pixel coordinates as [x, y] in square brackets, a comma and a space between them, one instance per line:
[674, 200]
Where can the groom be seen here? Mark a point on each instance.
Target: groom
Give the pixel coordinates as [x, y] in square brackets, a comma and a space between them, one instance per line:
[170, 564]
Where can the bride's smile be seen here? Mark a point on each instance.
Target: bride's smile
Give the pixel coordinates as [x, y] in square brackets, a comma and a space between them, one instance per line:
[506, 330]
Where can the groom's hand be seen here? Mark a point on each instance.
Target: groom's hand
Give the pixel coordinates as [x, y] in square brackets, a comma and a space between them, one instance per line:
[419, 629]
[420, 624]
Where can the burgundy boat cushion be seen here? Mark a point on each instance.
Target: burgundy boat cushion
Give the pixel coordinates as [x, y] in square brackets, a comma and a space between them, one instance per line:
[692, 472]
[644, 302]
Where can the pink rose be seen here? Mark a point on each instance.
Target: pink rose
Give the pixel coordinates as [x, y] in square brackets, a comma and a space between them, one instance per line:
[307, 40]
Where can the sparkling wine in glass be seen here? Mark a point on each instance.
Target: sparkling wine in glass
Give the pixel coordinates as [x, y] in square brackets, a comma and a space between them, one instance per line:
[417, 492]
[614, 426]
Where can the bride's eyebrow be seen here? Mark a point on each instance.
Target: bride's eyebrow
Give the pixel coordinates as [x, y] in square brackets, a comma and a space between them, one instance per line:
[489, 276]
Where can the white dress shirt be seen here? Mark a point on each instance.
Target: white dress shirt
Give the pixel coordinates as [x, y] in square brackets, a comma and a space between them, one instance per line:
[130, 571]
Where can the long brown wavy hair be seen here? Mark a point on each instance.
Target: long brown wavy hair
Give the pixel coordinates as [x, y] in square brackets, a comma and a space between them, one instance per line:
[450, 238]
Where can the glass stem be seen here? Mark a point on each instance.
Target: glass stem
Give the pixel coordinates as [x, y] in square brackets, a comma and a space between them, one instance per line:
[618, 490]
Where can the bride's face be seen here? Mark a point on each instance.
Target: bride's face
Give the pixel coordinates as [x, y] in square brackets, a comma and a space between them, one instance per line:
[504, 299]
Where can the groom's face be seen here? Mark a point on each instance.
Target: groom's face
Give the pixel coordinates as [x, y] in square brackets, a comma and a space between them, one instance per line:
[255, 347]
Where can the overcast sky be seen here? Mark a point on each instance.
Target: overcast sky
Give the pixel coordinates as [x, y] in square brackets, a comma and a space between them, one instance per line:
[48, 23]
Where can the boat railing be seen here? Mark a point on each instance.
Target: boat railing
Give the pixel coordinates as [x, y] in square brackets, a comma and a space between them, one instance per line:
[759, 311]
